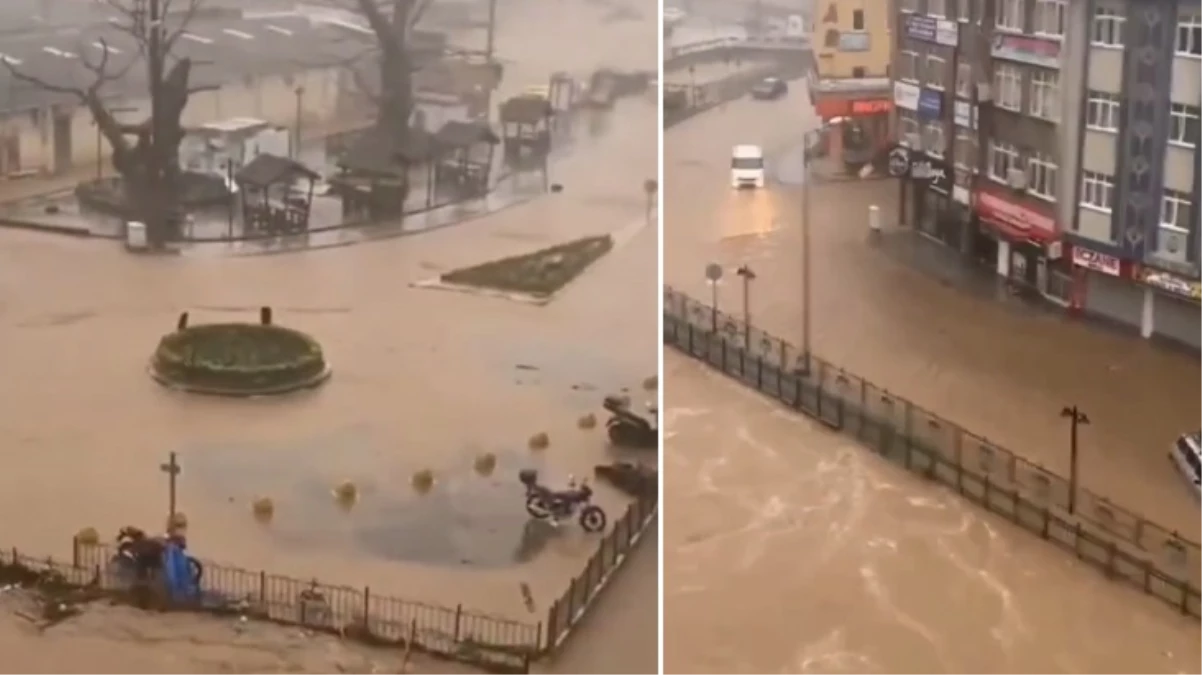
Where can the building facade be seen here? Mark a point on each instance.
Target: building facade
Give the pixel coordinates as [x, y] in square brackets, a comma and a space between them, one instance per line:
[1070, 130]
[852, 48]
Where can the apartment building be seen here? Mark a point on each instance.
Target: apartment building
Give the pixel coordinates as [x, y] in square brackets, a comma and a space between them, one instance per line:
[851, 87]
[1063, 137]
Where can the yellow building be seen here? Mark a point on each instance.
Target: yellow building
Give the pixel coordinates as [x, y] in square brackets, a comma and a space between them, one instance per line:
[853, 47]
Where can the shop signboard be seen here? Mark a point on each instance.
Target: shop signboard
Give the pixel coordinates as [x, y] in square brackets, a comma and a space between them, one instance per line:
[1013, 219]
[1170, 283]
[919, 27]
[947, 32]
[930, 103]
[1098, 262]
[933, 171]
[1028, 50]
[905, 95]
[964, 114]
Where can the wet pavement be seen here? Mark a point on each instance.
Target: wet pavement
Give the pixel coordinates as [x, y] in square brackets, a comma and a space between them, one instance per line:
[418, 383]
[789, 549]
[1001, 372]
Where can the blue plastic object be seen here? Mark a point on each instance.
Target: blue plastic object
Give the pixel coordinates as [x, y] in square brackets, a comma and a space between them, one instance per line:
[181, 584]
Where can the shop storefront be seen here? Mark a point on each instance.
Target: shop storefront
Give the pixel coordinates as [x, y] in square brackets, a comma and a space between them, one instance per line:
[859, 126]
[1028, 248]
[1172, 310]
[936, 215]
[1103, 288]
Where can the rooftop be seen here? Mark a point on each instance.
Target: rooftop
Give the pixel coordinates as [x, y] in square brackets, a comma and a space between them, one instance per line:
[223, 49]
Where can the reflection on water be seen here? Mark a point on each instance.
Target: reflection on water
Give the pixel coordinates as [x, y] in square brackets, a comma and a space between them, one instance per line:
[466, 519]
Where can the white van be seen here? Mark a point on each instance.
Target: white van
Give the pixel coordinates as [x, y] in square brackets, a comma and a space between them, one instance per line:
[747, 166]
[1187, 455]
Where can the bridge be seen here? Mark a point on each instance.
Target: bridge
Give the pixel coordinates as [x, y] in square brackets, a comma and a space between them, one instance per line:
[684, 54]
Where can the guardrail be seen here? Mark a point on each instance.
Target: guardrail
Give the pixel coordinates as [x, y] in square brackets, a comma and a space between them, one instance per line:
[1117, 540]
[766, 44]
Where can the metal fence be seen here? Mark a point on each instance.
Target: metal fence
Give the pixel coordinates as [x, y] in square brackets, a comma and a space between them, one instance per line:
[1120, 541]
[495, 643]
[567, 611]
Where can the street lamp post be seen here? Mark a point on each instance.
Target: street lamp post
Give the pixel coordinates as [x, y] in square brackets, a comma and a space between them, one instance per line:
[1076, 418]
[806, 273]
[713, 274]
[300, 99]
[748, 276]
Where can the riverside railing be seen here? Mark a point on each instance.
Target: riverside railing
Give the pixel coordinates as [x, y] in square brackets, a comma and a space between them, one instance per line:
[1122, 543]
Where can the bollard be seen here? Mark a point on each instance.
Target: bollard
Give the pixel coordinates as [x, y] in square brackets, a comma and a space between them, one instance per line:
[874, 223]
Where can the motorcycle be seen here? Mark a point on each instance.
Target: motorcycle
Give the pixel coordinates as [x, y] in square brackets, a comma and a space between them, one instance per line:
[144, 554]
[544, 503]
[627, 429]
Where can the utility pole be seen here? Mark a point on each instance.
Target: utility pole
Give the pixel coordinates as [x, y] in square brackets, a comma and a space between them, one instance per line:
[1076, 418]
[806, 275]
[300, 98]
[490, 44]
[747, 275]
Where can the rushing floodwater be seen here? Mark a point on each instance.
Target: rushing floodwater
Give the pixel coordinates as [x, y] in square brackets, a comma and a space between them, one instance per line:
[789, 549]
[422, 379]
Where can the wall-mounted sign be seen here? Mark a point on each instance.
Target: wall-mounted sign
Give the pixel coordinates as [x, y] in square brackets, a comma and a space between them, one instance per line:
[853, 41]
[919, 27]
[1098, 262]
[930, 103]
[929, 29]
[961, 195]
[871, 106]
[1016, 221]
[1170, 283]
[947, 32]
[905, 95]
[1029, 50]
[899, 161]
[964, 114]
[933, 171]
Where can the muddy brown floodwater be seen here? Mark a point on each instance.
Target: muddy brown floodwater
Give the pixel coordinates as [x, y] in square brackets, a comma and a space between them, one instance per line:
[789, 549]
[422, 379]
[1000, 372]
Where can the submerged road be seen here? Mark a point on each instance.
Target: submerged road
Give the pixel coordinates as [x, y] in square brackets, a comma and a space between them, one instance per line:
[1002, 373]
[789, 549]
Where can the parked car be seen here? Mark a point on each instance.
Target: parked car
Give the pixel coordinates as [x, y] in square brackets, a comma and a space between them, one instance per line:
[1185, 455]
[769, 88]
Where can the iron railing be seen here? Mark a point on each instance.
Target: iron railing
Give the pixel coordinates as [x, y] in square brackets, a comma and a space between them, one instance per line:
[1118, 540]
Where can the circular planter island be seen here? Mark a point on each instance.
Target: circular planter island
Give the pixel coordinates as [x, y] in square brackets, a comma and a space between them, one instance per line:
[239, 359]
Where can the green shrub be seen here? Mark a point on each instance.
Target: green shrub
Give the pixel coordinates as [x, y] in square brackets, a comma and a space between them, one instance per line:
[238, 357]
[540, 273]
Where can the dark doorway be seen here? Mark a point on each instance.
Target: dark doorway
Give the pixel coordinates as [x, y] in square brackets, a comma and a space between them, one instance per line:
[62, 141]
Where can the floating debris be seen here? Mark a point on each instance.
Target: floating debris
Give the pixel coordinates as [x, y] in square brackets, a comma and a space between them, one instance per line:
[540, 441]
[588, 421]
[88, 536]
[263, 508]
[424, 480]
[346, 494]
[486, 463]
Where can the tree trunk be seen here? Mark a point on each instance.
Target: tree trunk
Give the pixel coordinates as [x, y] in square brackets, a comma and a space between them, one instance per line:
[396, 76]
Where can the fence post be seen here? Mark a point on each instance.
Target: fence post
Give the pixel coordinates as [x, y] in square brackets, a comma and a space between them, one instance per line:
[1077, 540]
[1047, 522]
[263, 590]
[458, 618]
[75, 551]
[366, 606]
[552, 624]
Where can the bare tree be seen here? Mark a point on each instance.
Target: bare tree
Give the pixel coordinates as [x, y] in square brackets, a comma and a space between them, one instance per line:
[144, 154]
[392, 23]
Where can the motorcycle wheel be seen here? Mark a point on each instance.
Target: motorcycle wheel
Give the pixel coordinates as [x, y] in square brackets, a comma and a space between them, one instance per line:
[619, 435]
[536, 508]
[197, 569]
[593, 519]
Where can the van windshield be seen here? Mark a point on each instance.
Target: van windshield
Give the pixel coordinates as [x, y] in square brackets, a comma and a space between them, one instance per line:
[747, 162]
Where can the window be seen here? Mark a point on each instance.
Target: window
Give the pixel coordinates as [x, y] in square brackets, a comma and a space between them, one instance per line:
[966, 150]
[1183, 124]
[1049, 18]
[1107, 27]
[1002, 158]
[1009, 15]
[1042, 175]
[1102, 111]
[857, 19]
[937, 8]
[964, 80]
[907, 66]
[1175, 211]
[907, 128]
[1008, 87]
[936, 71]
[1045, 94]
[1097, 190]
[932, 140]
[908, 5]
[858, 71]
[1189, 34]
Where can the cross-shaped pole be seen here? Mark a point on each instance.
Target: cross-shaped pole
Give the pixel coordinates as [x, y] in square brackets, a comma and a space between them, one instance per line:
[172, 469]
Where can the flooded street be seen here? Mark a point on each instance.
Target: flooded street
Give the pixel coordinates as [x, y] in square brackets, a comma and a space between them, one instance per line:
[790, 549]
[422, 379]
[1001, 371]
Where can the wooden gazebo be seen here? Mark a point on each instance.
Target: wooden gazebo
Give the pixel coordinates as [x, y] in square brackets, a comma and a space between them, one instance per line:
[277, 194]
[526, 126]
[375, 172]
[465, 157]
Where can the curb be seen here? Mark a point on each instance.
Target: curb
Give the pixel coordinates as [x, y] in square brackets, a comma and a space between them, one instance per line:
[309, 383]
